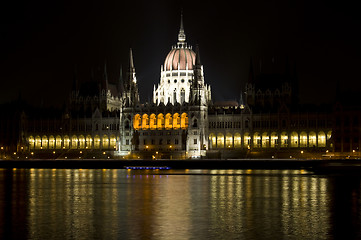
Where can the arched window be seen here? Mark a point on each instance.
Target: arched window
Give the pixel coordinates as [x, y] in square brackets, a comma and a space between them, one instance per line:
[37, 142]
[160, 121]
[274, 140]
[213, 140]
[265, 140]
[58, 142]
[176, 121]
[51, 142]
[96, 142]
[256, 140]
[312, 139]
[152, 122]
[237, 140]
[31, 142]
[105, 142]
[168, 121]
[321, 139]
[247, 140]
[294, 139]
[329, 134]
[137, 122]
[66, 142]
[303, 139]
[184, 121]
[88, 142]
[229, 140]
[145, 122]
[81, 142]
[44, 142]
[220, 140]
[183, 94]
[284, 139]
[74, 142]
[195, 123]
[113, 142]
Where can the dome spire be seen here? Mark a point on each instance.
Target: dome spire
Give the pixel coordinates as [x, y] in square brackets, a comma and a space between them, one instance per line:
[181, 35]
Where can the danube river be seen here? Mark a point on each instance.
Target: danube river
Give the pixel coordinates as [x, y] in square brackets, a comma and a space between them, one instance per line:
[177, 204]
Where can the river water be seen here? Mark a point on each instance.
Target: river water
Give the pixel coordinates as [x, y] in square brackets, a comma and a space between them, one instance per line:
[178, 204]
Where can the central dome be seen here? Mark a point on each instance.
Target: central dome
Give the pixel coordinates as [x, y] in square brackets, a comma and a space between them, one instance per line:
[184, 57]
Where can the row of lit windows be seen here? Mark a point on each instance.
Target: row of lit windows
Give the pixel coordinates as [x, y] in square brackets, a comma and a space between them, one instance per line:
[153, 122]
[272, 140]
[180, 74]
[75, 142]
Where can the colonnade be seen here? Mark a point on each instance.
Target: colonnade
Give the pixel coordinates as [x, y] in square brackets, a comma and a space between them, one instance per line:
[160, 122]
[72, 142]
[269, 140]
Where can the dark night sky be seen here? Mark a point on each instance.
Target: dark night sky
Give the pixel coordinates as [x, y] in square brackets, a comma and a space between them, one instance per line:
[42, 41]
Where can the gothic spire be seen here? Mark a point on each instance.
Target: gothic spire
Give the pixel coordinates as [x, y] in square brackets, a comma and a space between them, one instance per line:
[181, 35]
[130, 88]
[131, 63]
[131, 70]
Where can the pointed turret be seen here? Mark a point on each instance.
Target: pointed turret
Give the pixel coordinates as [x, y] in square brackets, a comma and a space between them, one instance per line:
[181, 35]
[130, 92]
[198, 81]
[241, 102]
[131, 63]
[197, 69]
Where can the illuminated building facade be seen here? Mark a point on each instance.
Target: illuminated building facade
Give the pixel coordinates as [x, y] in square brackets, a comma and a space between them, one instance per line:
[182, 121]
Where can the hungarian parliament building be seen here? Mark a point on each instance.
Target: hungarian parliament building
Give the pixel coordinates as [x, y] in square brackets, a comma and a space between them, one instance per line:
[182, 121]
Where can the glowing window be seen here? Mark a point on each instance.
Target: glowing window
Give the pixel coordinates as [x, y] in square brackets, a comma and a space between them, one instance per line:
[44, 143]
[137, 122]
[256, 140]
[265, 140]
[81, 142]
[229, 140]
[51, 142]
[168, 121]
[247, 140]
[213, 140]
[152, 122]
[321, 139]
[303, 139]
[160, 121]
[105, 142]
[184, 121]
[284, 139]
[237, 140]
[176, 121]
[294, 139]
[145, 122]
[74, 142]
[312, 139]
[58, 142]
[274, 140]
[220, 140]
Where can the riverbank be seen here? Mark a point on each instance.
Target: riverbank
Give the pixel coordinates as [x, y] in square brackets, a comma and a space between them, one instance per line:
[335, 165]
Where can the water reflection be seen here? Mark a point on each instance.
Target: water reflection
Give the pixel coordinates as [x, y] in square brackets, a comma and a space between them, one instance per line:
[113, 204]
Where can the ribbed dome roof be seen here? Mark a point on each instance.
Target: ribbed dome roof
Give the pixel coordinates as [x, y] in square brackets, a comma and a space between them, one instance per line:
[182, 56]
